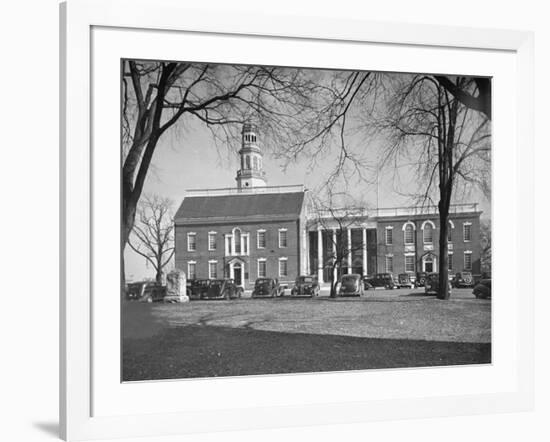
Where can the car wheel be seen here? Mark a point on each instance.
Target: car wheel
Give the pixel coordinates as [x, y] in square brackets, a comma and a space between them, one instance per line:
[149, 299]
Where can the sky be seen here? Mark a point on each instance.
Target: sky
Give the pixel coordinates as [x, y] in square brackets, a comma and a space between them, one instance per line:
[187, 157]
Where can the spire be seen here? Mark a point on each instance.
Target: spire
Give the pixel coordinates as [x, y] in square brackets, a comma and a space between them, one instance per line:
[251, 173]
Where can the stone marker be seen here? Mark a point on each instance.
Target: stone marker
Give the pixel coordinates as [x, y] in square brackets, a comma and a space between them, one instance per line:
[176, 287]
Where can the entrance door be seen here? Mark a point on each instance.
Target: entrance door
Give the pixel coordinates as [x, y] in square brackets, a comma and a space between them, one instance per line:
[237, 274]
[429, 265]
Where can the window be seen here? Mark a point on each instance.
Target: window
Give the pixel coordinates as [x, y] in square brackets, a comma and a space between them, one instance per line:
[255, 162]
[282, 238]
[389, 236]
[409, 263]
[428, 229]
[467, 232]
[228, 246]
[211, 240]
[467, 260]
[262, 272]
[212, 269]
[260, 239]
[237, 240]
[450, 261]
[191, 270]
[450, 231]
[283, 267]
[409, 234]
[248, 161]
[191, 242]
[389, 264]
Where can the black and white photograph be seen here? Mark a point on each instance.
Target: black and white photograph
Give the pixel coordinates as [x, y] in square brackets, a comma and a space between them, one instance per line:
[280, 220]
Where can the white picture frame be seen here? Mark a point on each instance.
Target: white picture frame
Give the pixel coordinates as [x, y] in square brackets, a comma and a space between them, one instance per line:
[81, 377]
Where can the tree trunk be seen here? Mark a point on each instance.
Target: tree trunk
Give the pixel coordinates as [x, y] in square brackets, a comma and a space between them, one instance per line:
[332, 283]
[443, 292]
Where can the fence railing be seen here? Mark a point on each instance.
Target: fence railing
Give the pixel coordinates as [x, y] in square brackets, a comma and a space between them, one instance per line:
[244, 191]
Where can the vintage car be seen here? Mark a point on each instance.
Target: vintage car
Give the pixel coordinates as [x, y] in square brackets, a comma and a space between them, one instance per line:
[482, 289]
[267, 288]
[407, 280]
[145, 291]
[223, 289]
[380, 280]
[421, 278]
[306, 286]
[197, 288]
[350, 285]
[431, 284]
[462, 279]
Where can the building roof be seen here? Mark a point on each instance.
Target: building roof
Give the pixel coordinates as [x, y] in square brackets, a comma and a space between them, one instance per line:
[252, 206]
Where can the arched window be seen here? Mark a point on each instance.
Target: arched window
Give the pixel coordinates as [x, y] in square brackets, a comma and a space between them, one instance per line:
[248, 161]
[428, 232]
[408, 229]
[450, 231]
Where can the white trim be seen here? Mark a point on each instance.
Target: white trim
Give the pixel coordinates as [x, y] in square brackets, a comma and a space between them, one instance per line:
[193, 234]
[286, 238]
[282, 259]
[264, 260]
[214, 234]
[212, 261]
[464, 225]
[258, 239]
[386, 230]
[428, 221]
[404, 228]
[451, 224]
[191, 263]
[424, 230]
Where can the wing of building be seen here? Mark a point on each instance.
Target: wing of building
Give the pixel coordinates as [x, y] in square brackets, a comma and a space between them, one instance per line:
[242, 235]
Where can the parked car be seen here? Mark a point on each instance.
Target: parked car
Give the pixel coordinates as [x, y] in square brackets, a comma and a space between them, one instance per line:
[223, 289]
[431, 284]
[145, 291]
[407, 280]
[306, 286]
[350, 285]
[482, 289]
[383, 280]
[197, 288]
[421, 279]
[463, 279]
[267, 288]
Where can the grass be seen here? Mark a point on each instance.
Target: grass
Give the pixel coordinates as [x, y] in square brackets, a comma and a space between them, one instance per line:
[267, 336]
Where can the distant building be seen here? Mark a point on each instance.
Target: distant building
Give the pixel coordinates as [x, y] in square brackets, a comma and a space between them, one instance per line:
[255, 230]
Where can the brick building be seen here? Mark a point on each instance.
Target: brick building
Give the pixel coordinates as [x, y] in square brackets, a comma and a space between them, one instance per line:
[397, 240]
[255, 230]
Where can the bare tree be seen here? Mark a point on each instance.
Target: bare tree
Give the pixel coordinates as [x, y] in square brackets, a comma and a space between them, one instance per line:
[450, 143]
[337, 218]
[477, 98]
[158, 95]
[438, 126]
[153, 235]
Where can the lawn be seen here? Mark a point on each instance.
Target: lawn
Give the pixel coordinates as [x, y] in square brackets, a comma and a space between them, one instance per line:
[266, 336]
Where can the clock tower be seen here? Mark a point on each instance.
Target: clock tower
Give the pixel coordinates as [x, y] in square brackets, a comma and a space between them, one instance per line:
[251, 174]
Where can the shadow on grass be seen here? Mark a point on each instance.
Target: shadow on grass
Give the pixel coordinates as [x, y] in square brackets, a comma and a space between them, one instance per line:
[208, 351]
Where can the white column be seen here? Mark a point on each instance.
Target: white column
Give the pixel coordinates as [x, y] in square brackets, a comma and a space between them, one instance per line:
[320, 254]
[349, 250]
[334, 271]
[365, 263]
